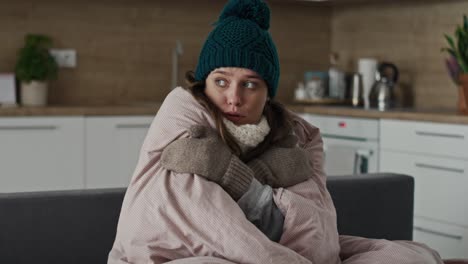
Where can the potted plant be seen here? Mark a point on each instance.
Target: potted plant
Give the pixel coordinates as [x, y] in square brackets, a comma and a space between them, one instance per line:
[34, 69]
[457, 63]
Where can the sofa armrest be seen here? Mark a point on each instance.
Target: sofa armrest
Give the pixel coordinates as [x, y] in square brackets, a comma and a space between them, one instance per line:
[376, 205]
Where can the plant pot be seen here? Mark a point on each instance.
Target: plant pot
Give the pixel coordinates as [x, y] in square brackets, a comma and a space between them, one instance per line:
[463, 93]
[34, 93]
[461, 103]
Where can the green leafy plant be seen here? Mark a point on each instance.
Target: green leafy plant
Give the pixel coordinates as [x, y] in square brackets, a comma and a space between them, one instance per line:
[34, 60]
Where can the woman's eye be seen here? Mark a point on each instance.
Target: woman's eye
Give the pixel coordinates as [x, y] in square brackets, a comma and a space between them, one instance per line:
[220, 82]
[250, 85]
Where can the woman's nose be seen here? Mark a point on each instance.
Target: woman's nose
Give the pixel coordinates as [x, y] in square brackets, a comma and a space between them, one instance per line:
[234, 97]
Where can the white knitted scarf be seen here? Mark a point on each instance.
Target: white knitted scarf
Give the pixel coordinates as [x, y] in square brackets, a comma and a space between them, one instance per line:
[248, 136]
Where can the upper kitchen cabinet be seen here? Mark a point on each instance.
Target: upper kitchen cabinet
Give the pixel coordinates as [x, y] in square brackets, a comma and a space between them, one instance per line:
[41, 153]
[112, 149]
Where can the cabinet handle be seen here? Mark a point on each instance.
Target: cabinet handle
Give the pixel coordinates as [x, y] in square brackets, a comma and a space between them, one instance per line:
[123, 126]
[435, 167]
[433, 134]
[361, 161]
[438, 233]
[28, 127]
[325, 135]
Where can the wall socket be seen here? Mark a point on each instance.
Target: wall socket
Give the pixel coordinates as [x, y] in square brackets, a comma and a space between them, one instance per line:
[65, 58]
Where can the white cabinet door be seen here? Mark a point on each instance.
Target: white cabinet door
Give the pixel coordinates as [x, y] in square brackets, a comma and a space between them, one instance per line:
[345, 127]
[112, 149]
[350, 144]
[440, 185]
[425, 138]
[41, 153]
[449, 240]
[435, 155]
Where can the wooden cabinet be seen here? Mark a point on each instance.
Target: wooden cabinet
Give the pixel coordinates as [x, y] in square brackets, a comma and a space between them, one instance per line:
[41, 153]
[112, 149]
[435, 155]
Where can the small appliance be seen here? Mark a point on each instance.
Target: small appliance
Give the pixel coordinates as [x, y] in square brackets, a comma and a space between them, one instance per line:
[382, 95]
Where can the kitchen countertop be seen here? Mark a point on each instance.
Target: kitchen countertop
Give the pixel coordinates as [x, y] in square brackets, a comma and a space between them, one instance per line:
[440, 116]
[58, 110]
[432, 115]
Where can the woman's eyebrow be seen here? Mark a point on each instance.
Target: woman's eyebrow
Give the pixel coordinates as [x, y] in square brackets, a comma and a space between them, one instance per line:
[223, 72]
[253, 77]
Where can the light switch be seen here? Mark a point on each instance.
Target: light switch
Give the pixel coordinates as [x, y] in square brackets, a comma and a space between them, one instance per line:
[65, 58]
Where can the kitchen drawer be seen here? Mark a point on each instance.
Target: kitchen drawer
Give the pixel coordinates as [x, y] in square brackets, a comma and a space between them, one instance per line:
[112, 148]
[422, 137]
[440, 184]
[41, 153]
[450, 241]
[345, 127]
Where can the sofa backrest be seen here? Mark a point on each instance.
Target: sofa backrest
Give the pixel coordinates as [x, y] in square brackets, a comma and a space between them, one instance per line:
[79, 226]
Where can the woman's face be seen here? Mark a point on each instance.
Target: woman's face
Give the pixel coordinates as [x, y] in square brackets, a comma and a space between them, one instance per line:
[239, 93]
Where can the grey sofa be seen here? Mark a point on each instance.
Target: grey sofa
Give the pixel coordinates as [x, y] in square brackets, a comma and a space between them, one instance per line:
[79, 226]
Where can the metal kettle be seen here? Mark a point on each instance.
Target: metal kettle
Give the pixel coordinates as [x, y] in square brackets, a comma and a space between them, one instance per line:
[382, 95]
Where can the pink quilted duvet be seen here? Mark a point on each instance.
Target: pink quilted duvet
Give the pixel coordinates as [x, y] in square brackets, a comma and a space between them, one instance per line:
[182, 218]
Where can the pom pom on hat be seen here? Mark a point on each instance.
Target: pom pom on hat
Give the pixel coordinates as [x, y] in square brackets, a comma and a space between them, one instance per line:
[254, 10]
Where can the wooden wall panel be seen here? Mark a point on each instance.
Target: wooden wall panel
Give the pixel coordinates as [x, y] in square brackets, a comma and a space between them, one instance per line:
[408, 33]
[124, 47]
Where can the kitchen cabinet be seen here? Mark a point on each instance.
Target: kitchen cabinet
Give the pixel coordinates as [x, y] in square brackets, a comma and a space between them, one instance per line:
[41, 153]
[112, 149]
[351, 145]
[449, 240]
[435, 155]
[59, 153]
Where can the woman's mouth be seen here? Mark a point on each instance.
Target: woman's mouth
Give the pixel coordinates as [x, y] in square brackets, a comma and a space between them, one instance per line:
[234, 117]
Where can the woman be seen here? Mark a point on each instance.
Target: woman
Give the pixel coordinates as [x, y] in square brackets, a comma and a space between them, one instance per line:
[227, 175]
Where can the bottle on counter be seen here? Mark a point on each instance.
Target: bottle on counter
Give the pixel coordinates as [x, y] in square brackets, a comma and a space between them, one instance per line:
[336, 79]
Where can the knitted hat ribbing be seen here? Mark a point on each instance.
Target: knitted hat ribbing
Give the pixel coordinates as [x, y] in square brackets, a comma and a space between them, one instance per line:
[241, 39]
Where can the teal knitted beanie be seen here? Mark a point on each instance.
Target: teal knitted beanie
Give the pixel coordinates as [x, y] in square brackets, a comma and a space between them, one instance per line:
[241, 39]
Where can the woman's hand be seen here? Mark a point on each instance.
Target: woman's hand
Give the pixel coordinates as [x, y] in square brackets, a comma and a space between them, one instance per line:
[282, 165]
[205, 154]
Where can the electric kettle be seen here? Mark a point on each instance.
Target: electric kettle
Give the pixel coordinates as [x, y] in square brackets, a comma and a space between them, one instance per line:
[382, 95]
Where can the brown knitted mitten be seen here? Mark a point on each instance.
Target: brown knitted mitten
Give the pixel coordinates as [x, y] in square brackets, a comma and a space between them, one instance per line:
[282, 165]
[205, 154]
